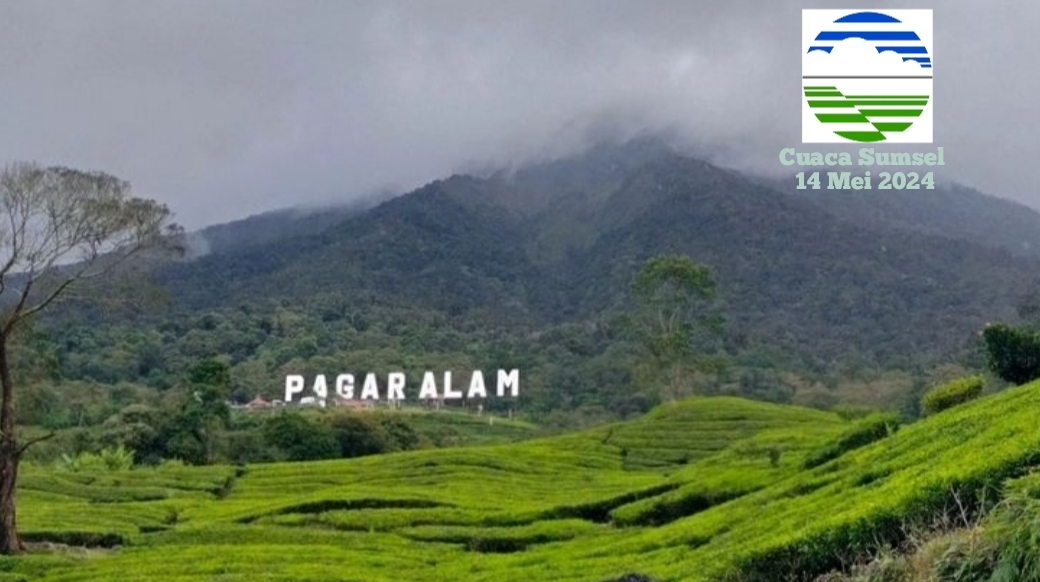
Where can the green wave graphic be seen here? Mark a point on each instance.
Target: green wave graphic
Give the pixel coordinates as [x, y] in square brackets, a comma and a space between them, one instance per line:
[879, 114]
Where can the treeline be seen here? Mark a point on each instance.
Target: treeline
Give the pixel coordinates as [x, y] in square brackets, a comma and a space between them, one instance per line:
[187, 416]
[193, 422]
[572, 374]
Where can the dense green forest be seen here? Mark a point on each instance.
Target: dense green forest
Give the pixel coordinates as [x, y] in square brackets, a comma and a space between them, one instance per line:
[532, 269]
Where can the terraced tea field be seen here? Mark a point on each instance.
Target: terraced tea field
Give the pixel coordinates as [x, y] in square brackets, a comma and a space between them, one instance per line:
[692, 492]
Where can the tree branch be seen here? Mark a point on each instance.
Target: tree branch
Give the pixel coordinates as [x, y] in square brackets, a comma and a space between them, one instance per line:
[34, 441]
[79, 276]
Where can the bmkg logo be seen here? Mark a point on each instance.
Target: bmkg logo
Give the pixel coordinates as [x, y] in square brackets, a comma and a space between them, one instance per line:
[867, 76]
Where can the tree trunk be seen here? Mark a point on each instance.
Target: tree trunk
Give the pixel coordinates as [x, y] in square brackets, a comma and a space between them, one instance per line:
[10, 543]
[675, 381]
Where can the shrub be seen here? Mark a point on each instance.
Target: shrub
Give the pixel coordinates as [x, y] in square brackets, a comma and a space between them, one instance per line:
[300, 438]
[951, 394]
[1012, 535]
[112, 459]
[117, 458]
[136, 428]
[774, 456]
[246, 446]
[966, 559]
[400, 435]
[1013, 353]
[867, 430]
[185, 447]
[358, 435]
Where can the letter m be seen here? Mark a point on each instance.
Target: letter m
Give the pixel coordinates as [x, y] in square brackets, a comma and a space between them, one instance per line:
[834, 182]
[508, 380]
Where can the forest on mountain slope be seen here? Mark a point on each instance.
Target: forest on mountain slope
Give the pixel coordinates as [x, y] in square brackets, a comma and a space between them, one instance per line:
[532, 269]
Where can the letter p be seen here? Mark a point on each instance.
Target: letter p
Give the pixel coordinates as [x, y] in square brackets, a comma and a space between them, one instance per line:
[293, 385]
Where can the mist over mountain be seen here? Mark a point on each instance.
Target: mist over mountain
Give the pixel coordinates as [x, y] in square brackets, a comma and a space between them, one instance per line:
[818, 272]
[276, 224]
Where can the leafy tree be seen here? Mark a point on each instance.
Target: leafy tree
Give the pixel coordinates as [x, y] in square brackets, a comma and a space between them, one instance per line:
[205, 410]
[1013, 353]
[59, 229]
[136, 427]
[401, 436]
[212, 374]
[673, 318]
[358, 435]
[300, 438]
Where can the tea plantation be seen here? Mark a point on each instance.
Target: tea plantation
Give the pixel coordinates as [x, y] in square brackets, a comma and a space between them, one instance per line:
[701, 490]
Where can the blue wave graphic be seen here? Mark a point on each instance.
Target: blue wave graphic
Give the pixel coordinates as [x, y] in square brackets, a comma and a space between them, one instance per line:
[868, 35]
[908, 50]
[903, 50]
[867, 17]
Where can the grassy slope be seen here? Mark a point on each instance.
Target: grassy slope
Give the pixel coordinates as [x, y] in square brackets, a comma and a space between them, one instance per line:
[569, 501]
[449, 428]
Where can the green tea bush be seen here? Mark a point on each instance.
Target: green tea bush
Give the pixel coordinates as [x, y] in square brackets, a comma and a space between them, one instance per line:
[951, 394]
[868, 430]
[502, 540]
[457, 514]
[668, 508]
[74, 538]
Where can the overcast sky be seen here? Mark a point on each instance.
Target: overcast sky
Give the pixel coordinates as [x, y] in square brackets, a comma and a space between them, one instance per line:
[224, 109]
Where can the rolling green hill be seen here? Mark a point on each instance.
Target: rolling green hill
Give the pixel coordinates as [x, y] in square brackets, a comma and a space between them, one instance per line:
[701, 490]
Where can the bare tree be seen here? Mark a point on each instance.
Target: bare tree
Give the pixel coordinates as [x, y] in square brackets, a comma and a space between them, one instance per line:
[60, 230]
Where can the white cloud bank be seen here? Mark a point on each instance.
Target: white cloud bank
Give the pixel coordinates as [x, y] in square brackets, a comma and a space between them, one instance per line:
[855, 56]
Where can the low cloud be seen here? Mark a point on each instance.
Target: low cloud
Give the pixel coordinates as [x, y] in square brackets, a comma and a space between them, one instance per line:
[228, 109]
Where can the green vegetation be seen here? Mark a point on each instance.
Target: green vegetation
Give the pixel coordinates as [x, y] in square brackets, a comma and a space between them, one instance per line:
[1001, 546]
[671, 321]
[870, 429]
[52, 215]
[584, 507]
[1013, 352]
[145, 471]
[534, 270]
[279, 435]
[952, 393]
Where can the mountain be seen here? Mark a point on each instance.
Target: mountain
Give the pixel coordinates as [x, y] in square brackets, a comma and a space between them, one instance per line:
[950, 211]
[278, 224]
[560, 241]
[791, 272]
